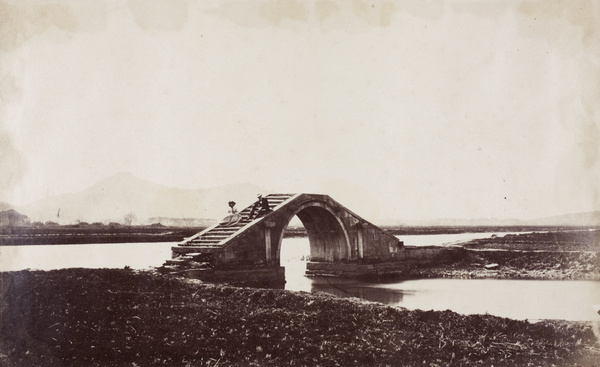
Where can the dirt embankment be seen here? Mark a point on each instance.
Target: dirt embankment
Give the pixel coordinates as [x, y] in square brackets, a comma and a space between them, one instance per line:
[106, 317]
[426, 230]
[86, 234]
[541, 255]
[559, 241]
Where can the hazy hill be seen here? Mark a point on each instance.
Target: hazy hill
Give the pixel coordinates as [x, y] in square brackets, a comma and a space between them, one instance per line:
[574, 219]
[112, 198]
[462, 222]
[5, 206]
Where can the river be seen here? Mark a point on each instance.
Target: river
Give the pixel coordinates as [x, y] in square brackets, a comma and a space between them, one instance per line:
[517, 299]
[152, 254]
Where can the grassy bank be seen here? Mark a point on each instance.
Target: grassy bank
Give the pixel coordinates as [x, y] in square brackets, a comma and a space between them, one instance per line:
[557, 240]
[85, 234]
[428, 230]
[561, 255]
[513, 265]
[106, 317]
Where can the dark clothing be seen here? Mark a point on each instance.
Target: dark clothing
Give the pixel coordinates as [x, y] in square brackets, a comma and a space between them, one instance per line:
[261, 207]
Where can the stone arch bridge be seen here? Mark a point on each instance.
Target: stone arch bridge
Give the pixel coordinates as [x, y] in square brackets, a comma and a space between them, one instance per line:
[341, 242]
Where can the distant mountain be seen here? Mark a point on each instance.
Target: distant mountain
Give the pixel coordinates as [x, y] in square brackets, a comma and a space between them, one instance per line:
[111, 199]
[575, 219]
[456, 222]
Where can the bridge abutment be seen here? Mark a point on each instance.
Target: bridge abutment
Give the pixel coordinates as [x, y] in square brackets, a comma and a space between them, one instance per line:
[406, 259]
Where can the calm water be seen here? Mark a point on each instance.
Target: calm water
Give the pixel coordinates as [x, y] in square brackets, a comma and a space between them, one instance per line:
[518, 299]
[144, 255]
[109, 255]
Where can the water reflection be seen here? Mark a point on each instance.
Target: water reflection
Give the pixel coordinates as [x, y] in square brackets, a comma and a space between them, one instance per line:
[516, 299]
[349, 288]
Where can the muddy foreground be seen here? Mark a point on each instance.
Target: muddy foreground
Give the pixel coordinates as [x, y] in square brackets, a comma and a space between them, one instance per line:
[82, 317]
[557, 255]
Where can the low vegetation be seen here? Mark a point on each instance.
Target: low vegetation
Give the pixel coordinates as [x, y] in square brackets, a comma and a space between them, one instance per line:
[425, 230]
[84, 233]
[572, 255]
[78, 317]
[556, 240]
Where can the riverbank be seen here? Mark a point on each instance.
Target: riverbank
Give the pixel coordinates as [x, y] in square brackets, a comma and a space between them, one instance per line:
[431, 230]
[87, 234]
[103, 317]
[558, 255]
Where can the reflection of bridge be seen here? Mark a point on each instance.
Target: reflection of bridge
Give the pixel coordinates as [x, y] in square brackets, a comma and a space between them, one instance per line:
[336, 236]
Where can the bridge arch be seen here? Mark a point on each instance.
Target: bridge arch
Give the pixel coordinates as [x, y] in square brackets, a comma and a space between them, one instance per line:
[327, 234]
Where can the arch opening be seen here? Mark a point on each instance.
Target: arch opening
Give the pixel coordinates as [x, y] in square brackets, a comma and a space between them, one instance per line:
[327, 236]
[294, 254]
[294, 245]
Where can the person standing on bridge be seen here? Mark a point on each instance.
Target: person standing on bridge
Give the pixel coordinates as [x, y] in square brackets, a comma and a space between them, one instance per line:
[261, 206]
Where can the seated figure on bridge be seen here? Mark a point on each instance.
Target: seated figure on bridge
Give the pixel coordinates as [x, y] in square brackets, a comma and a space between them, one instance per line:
[233, 216]
[261, 206]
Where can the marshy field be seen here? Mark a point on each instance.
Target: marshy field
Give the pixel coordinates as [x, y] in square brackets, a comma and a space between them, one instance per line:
[124, 317]
[552, 254]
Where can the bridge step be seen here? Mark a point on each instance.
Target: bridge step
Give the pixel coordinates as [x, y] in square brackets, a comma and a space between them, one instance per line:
[217, 235]
[209, 238]
[177, 262]
[190, 255]
[220, 232]
[195, 248]
[205, 241]
[183, 259]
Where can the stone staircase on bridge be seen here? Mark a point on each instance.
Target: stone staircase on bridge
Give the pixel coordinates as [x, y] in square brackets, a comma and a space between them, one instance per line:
[214, 238]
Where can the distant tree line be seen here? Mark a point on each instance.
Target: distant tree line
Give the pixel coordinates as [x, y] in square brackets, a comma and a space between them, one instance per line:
[12, 218]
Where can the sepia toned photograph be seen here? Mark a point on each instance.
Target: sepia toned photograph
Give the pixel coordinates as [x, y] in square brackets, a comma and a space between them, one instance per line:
[299, 183]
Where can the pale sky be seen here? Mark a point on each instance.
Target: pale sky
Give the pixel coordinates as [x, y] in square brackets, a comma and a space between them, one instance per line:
[408, 109]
